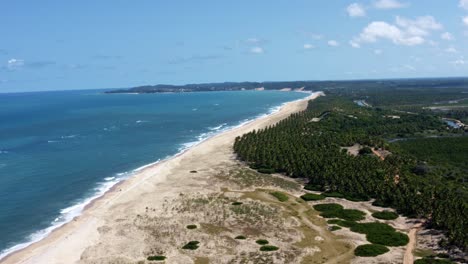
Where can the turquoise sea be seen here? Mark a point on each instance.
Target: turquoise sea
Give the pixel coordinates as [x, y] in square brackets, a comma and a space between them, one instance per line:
[59, 150]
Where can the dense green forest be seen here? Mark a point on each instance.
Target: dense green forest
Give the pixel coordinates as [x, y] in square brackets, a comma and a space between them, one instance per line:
[420, 178]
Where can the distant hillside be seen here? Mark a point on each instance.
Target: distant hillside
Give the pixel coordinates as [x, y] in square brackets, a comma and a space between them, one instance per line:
[302, 85]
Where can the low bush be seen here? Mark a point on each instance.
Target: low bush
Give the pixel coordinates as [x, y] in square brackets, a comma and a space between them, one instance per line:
[357, 198]
[333, 194]
[192, 245]
[379, 233]
[237, 203]
[312, 187]
[191, 226]
[370, 250]
[156, 258]
[280, 196]
[268, 248]
[328, 207]
[193, 171]
[433, 261]
[381, 203]
[336, 211]
[385, 215]
[312, 197]
[334, 228]
[262, 242]
[240, 237]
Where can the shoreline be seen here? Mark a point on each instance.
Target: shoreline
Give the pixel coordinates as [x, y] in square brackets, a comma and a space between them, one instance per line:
[88, 219]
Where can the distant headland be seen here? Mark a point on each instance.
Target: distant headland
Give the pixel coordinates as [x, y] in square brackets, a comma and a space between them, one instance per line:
[458, 82]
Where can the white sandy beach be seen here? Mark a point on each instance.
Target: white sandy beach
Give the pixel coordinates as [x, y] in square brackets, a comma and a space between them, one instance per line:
[80, 240]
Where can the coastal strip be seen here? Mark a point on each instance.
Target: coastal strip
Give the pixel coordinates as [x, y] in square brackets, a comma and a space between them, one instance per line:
[151, 184]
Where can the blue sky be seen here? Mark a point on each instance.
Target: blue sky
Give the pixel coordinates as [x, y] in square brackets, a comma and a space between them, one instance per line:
[61, 45]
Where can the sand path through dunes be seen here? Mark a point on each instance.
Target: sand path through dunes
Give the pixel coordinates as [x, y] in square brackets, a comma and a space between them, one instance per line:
[409, 256]
[149, 187]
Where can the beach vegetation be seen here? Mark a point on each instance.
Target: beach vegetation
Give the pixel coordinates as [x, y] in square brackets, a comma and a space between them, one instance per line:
[262, 242]
[280, 196]
[312, 197]
[191, 227]
[237, 203]
[268, 248]
[334, 228]
[385, 215]
[395, 125]
[156, 258]
[370, 250]
[192, 245]
[332, 210]
[240, 237]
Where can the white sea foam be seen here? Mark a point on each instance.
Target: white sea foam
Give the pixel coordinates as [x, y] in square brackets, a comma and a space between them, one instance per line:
[67, 214]
[3, 151]
[52, 141]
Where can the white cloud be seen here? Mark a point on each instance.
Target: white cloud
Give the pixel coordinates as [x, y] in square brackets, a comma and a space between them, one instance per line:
[465, 20]
[464, 4]
[256, 50]
[446, 36]
[460, 61]
[378, 52]
[408, 32]
[333, 43]
[354, 44]
[13, 64]
[308, 46]
[388, 4]
[356, 10]
[419, 26]
[451, 49]
[382, 30]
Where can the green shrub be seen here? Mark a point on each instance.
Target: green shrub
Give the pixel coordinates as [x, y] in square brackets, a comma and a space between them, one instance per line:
[268, 248]
[262, 241]
[333, 194]
[280, 196]
[191, 226]
[156, 258]
[381, 203]
[357, 198]
[237, 203]
[312, 187]
[192, 245]
[370, 250]
[433, 261]
[240, 237]
[334, 228]
[327, 207]
[336, 211]
[379, 233]
[312, 197]
[385, 215]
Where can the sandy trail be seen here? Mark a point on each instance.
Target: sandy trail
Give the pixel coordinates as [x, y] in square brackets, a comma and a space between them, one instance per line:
[151, 186]
[409, 256]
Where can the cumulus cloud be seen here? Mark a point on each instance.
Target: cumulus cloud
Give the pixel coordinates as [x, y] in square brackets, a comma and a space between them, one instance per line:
[451, 49]
[408, 32]
[308, 46]
[256, 50]
[446, 36]
[463, 4]
[13, 64]
[356, 10]
[377, 52]
[465, 20]
[333, 43]
[389, 4]
[460, 61]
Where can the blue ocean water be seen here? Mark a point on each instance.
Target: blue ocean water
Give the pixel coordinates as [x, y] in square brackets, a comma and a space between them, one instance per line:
[58, 150]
